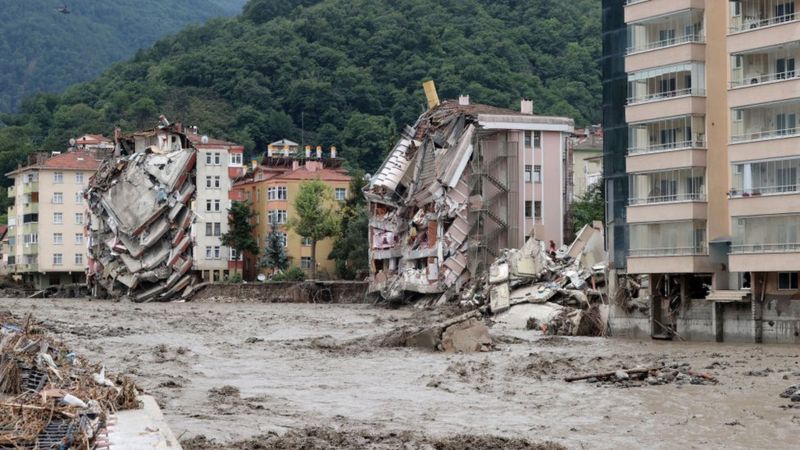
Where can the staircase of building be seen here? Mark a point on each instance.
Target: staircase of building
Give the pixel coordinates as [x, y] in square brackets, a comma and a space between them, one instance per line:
[729, 295]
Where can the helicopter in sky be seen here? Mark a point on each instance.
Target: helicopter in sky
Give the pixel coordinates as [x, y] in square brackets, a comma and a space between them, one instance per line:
[64, 9]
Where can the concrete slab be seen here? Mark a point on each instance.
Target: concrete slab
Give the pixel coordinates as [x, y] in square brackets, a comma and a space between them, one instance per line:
[143, 429]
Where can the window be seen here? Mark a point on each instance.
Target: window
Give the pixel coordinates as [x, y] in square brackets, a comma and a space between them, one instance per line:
[341, 194]
[58, 239]
[30, 238]
[528, 139]
[58, 259]
[217, 160]
[79, 198]
[537, 139]
[208, 159]
[216, 182]
[217, 253]
[209, 229]
[12, 260]
[58, 198]
[236, 159]
[234, 255]
[208, 182]
[78, 259]
[787, 281]
[208, 205]
[305, 262]
[216, 205]
[537, 209]
[284, 239]
[308, 242]
[78, 218]
[277, 193]
[528, 209]
[58, 177]
[58, 218]
[217, 229]
[209, 252]
[79, 177]
[278, 216]
[528, 173]
[78, 239]
[537, 174]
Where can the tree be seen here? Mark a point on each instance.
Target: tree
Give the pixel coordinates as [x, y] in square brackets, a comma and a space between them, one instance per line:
[275, 253]
[588, 208]
[240, 230]
[351, 249]
[315, 218]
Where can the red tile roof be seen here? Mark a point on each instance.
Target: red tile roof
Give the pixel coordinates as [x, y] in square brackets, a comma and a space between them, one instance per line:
[304, 174]
[3, 231]
[76, 160]
[196, 139]
[92, 138]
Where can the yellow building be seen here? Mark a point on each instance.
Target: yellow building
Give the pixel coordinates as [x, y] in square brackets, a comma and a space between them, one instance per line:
[271, 189]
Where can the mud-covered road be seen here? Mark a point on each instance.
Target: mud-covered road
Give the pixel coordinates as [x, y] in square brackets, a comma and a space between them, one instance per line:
[231, 372]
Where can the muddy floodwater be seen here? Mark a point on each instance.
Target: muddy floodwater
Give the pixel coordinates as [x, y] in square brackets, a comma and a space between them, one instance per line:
[231, 372]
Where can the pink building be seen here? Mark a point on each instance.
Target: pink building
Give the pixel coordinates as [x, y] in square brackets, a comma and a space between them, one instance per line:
[467, 181]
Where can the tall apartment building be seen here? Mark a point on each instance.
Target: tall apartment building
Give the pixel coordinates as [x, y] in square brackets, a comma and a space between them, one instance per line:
[219, 164]
[272, 186]
[46, 234]
[713, 159]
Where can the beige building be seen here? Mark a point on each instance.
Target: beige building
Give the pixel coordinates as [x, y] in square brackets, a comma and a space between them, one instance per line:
[587, 159]
[714, 153]
[46, 235]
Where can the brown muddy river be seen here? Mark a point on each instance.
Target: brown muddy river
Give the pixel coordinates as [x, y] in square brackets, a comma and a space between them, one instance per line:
[300, 366]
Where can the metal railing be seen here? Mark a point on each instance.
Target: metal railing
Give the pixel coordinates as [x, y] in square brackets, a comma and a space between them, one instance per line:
[689, 38]
[666, 95]
[668, 147]
[788, 247]
[688, 197]
[633, 2]
[752, 23]
[669, 251]
[764, 190]
[752, 80]
[764, 135]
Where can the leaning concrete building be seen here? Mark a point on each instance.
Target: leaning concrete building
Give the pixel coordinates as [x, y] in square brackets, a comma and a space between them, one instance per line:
[466, 181]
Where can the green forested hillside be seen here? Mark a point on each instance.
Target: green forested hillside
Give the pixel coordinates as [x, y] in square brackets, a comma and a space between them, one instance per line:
[44, 50]
[348, 70]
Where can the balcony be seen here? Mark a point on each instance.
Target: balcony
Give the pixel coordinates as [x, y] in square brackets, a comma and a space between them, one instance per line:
[666, 92]
[752, 127]
[761, 23]
[663, 40]
[30, 208]
[764, 76]
[678, 194]
[30, 249]
[776, 236]
[12, 192]
[769, 177]
[33, 267]
[636, 10]
[30, 187]
[667, 135]
[668, 247]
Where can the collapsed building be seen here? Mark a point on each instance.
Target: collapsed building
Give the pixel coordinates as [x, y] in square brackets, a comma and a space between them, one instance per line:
[140, 202]
[466, 181]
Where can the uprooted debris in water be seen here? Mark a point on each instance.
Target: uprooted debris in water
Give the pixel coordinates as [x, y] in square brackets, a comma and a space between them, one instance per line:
[51, 397]
[464, 333]
[678, 374]
[140, 242]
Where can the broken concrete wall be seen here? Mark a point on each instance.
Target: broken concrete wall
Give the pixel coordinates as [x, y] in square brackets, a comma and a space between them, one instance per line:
[141, 216]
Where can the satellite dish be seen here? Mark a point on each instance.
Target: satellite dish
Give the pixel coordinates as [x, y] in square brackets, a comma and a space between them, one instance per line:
[261, 277]
[204, 139]
[72, 142]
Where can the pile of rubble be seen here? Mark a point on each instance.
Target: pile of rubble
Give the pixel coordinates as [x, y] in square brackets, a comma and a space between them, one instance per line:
[559, 293]
[140, 242]
[49, 396]
[793, 394]
[673, 373]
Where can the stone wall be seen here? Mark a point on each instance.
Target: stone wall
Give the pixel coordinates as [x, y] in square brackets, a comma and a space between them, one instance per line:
[287, 292]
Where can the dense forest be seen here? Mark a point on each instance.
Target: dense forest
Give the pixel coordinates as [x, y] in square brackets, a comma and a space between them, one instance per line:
[346, 72]
[46, 50]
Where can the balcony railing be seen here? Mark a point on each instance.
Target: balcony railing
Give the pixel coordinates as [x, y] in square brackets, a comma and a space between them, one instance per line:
[694, 38]
[792, 247]
[668, 251]
[669, 147]
[752, 80]
[764, 135]
[688, 197]
[666, 95]
[752, 23]
[11, 192]
[633, 2]
[766, 190]
[30, 187]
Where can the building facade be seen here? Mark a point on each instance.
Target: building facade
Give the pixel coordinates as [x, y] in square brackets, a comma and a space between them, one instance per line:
[46, 224]
[712, 159]
[271, 188]
[587, 159]
[219, 164]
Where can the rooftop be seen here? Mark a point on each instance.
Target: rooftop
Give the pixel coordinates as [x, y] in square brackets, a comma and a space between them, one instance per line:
[284, 142]
[197, 141]
[75, 160]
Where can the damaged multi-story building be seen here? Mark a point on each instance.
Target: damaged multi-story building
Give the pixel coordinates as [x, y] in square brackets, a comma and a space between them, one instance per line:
[466, 181]
[140, 241]
[713, 168]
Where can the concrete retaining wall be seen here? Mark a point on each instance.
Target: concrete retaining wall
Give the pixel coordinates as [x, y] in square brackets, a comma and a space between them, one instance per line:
[288, 292]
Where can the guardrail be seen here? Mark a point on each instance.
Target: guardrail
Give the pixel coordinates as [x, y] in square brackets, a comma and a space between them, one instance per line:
[666, 95]
[766, 248]
[686, 39]
[691, 197]
[669, 251]
[672, 146]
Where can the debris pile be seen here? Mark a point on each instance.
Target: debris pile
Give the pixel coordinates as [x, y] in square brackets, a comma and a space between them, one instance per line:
[793, 394]
[140, 242]
[49, 396]
[557, 292]
[674, 373]
[465, 333]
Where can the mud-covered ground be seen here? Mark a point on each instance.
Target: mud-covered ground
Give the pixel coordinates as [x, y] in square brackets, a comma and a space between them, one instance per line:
[249, 376]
